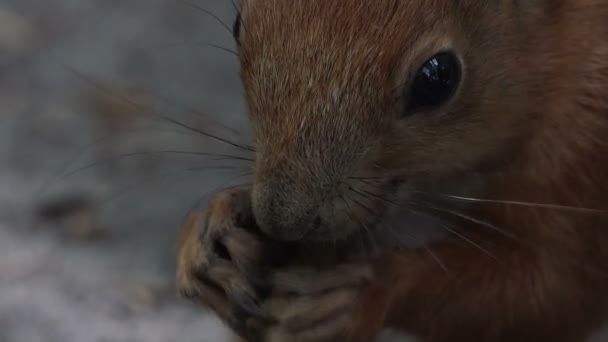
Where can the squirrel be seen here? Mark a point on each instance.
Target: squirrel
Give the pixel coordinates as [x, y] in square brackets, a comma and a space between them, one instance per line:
[483, 122]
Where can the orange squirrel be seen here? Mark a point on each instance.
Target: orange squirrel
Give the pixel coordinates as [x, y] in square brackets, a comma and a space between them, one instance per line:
[486, 121]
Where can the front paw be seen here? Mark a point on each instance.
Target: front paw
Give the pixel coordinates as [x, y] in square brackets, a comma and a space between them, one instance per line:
[219, 254]
[332, 304]
[273, 292]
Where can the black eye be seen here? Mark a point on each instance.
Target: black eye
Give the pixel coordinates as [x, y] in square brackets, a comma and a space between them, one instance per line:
[236, 28]
[435, 82]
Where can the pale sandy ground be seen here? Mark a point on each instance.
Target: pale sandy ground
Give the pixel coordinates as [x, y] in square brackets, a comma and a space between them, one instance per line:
[56, 288]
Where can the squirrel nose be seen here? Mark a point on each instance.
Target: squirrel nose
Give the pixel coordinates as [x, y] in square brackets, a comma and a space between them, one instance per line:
[283, 213]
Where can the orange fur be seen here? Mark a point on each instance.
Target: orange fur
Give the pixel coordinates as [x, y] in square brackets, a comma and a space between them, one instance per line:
[514, 167]
[533, 108]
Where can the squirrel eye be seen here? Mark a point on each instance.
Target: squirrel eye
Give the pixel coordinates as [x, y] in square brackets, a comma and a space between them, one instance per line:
[236, 28]
[435, 82]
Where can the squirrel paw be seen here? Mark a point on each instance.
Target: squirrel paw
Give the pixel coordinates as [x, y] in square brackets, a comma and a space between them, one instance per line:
[261, 292]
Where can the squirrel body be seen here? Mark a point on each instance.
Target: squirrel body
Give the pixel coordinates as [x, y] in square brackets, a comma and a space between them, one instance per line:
[511, 167]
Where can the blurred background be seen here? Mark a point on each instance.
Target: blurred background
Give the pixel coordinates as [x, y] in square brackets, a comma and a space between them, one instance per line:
[97, 174]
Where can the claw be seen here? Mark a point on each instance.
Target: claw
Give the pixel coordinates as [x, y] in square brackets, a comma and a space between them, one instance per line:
[221, 250]
[187, 294]
[201, 275]
[246, 308]
[263, 288]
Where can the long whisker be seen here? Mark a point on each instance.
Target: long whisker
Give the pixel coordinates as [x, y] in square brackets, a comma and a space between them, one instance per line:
[548, 206]
[219, 47]
[142, 182]
[350, 217]
[353, 189]
[363, 180]
[240, 18]
[453, 231]
[144, 108]
[435, 257]
[206, 167]
[391, 229]
[195, 112]
[135, 154]
[380, 197]
[358, 221]
[426, 248]
[370, 178]
[473, 243]
[529, 204]
[164, 47]
[199, 199]
[367, 228]
[65, 166]
[209, 135]
[474, 220]
[207, 12]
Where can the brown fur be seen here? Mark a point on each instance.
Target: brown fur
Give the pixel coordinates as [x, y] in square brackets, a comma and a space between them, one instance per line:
[528, 124]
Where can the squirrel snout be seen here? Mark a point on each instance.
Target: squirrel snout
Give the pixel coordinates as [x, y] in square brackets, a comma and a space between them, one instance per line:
[283, 214]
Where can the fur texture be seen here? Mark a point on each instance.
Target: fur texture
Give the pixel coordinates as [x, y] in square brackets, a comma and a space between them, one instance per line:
[513, 166]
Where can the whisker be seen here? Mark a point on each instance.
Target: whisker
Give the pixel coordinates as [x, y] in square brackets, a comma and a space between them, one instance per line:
[451, 230]
[204, 168]
[393, 232]
[364, 181]
[236, 7]
[143, 108]
[205, 11]
[239, 16]
[370, 178]
[365, 226]
[59, 173]
[353, 189]
[200, 199]
[426, 248]
[135, 154]
[209, 135]
[380, 197]
[157, 179]
[435, 257]
[475, 220]
[359, 223]
[574, 263]
[195, 112]
[219, 47]
[530, 204]
[473, 243]
[163, 47]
